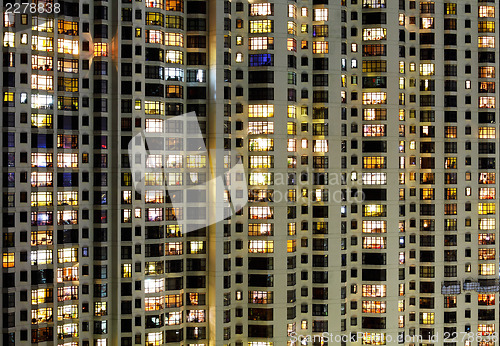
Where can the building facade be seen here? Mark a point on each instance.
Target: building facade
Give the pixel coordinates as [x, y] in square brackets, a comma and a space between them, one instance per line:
[371, 178]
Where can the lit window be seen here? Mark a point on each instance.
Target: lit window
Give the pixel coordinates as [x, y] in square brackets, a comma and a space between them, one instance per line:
[8, 260]
[427, 317]
[71, 46]
[261, 26]
[173, 57]
[486, 102]
[374, 34]
[487, 269]
[260, 111]
[261, 213]
[427, 69]
[8, 39]
[374, 243]
[378, 226]
[260, 246]
[320, 14]
[374, 98]
[374, 290]
[260, 127]
[261, 144]
[259, 43]
[374, 307]
[291, 44]
[487, 132]
[486, 42]
[487, 11]
[262, 9]
[320, 47]
[173, 39]
[44, 44]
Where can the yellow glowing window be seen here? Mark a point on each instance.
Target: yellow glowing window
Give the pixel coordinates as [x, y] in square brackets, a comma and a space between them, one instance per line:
[450, 132]
[427, 317]
[486, 208]
[292, 28]
[291, 245]
[486, 329]
[450, 163]
[320, 14]
[374, 243]
[374, 162]
[43, 63]
[42, 315]
[486, 71]
[374, 290]
[260, 229]
[450, 8]
[43, 24]
[374, 114]
[486, 11]
[262, 9]
[291, 44]
[374, 98]
[487, 193]
[487, 132]
[173, 39]
[40, 199]
[450, 193]
[486, 42]
[374, 307]
[66, 27]
[486, 26]
[486, 254]
[8, 39]
[260, 111]
[260, 179]
[70, 46]
[42, 82]
[196, 161]
[154, 36]
[291, 128]
[175, 318]
[486, 299]
[67, 255]
[374, 210]
[260, 246]
[374, 34]
[173, 57]
[44, 44]
[378, 226]
[100, 49]
[153, 18]
[320, 47]
[261, 144]
[320, 145]
[260, 127]
[261, 26]
[292, 11]
[154, 339]
[40, 257]
[427, 69]
[259, 43]
[487, 269]
[374, 178]
[486, 224]
[487, 102]
[67, 160]
[8, 260]
[374, 130]
[291, 145]
[67, 198]
[196, 247]
[292, 227]
[256, 213]
[41, 296]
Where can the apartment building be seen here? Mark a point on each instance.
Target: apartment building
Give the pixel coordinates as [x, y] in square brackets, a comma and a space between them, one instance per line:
[371, 178]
